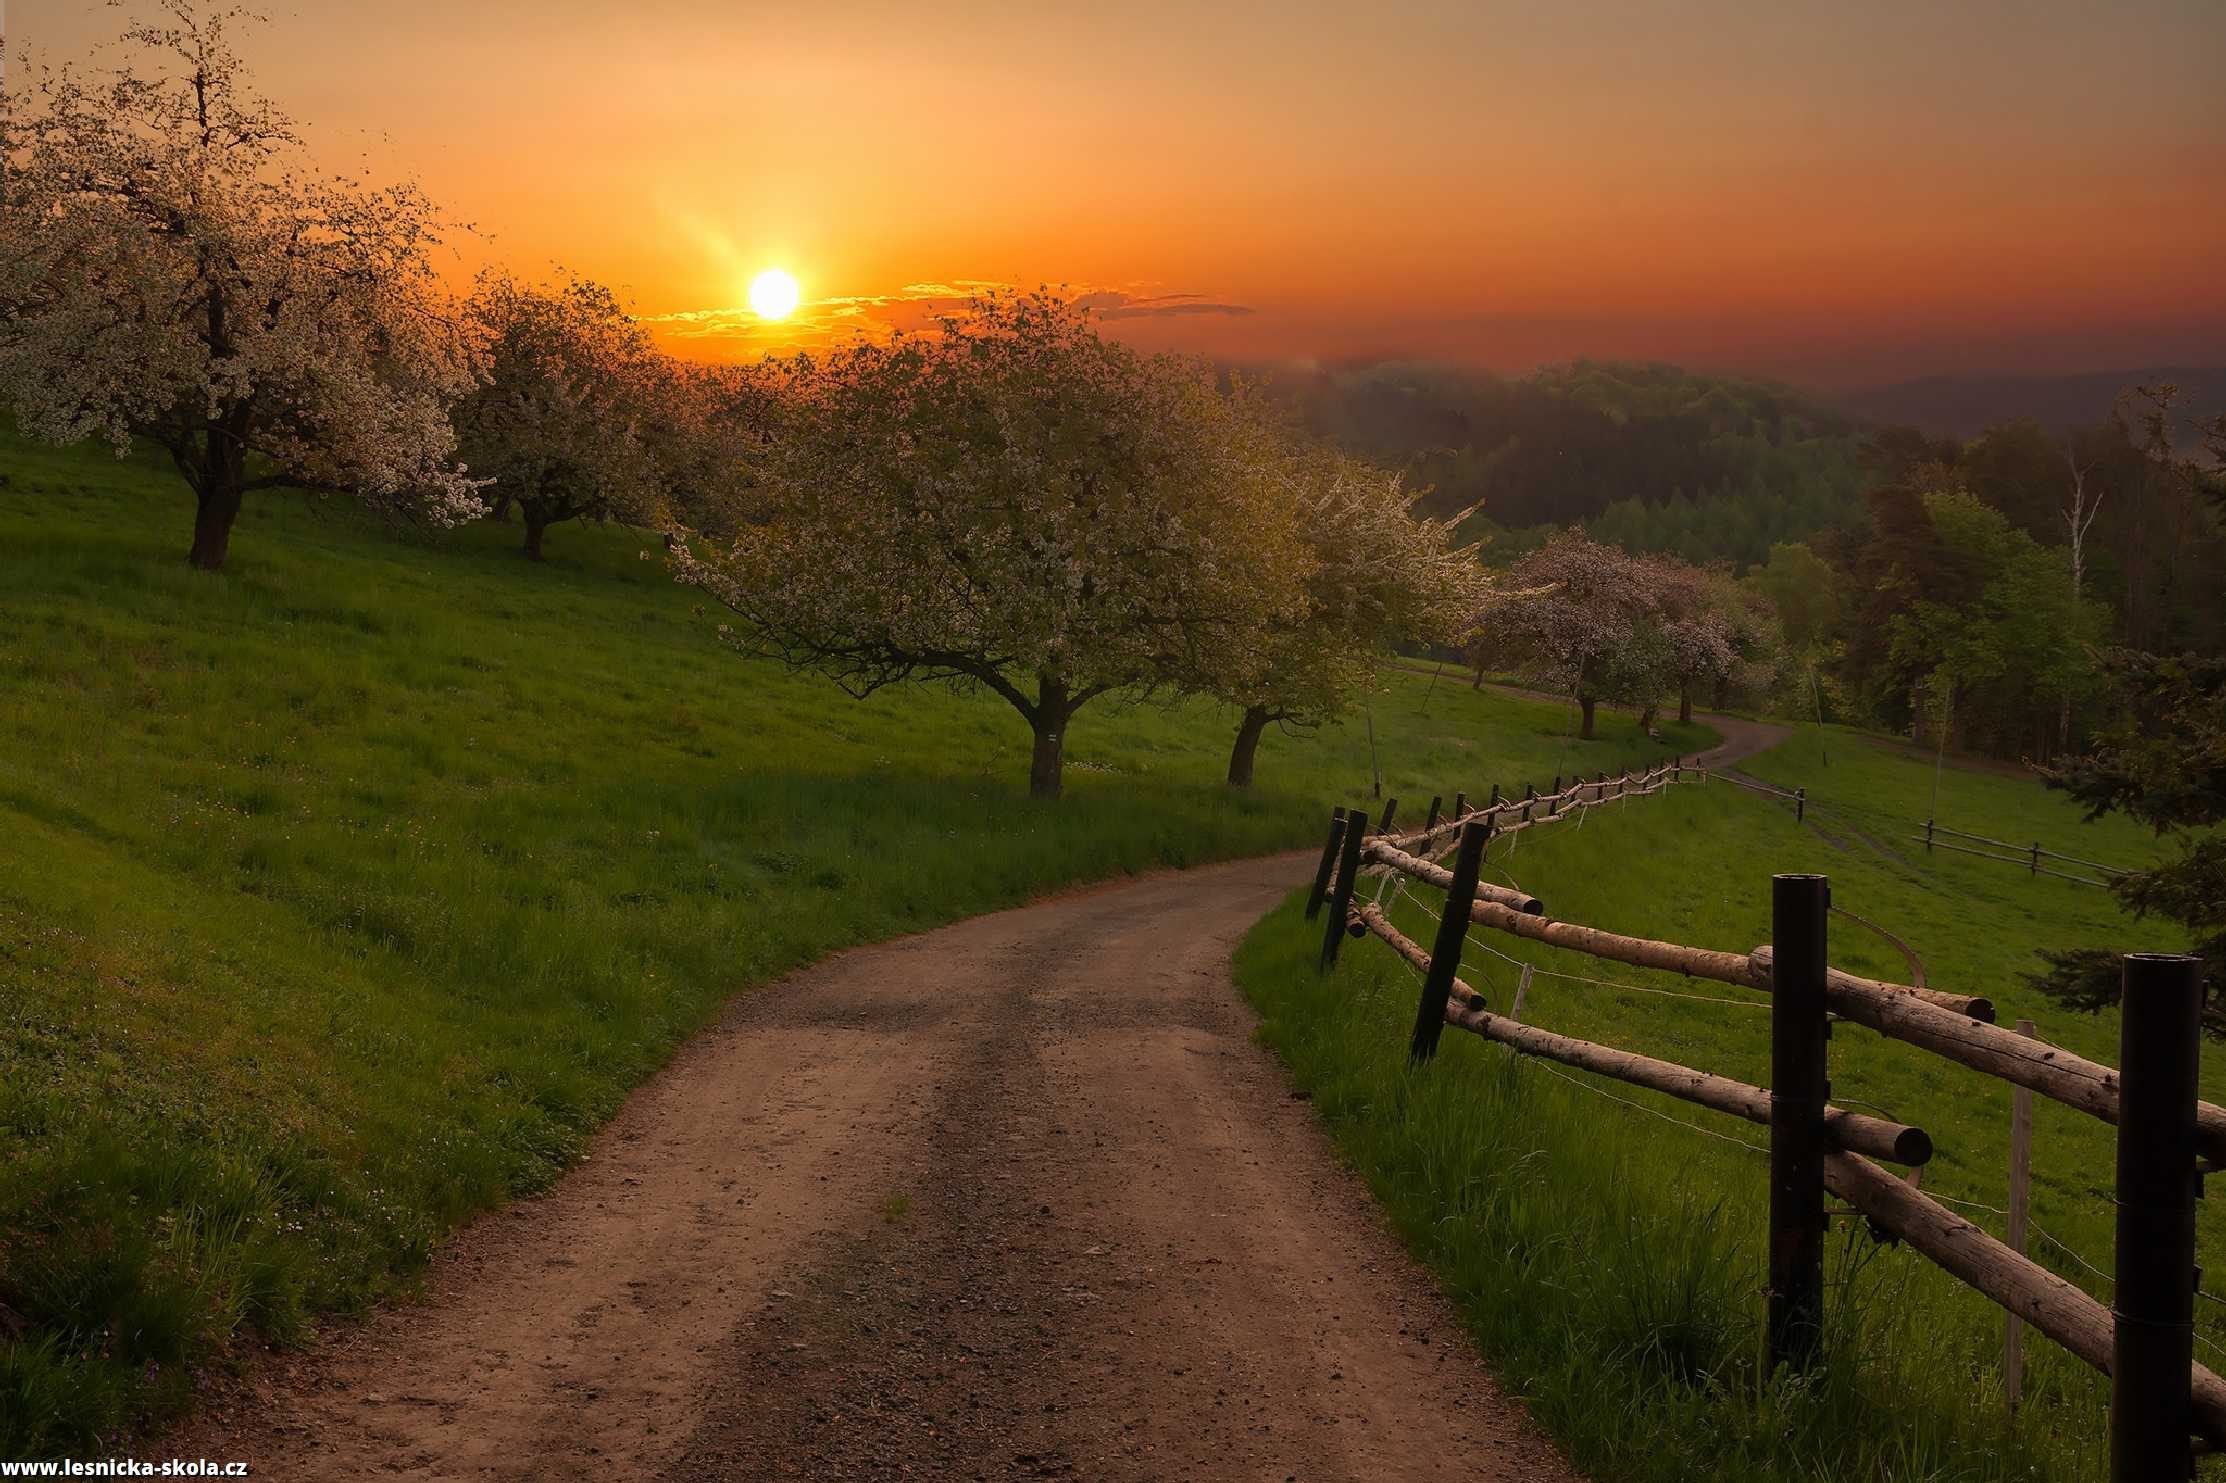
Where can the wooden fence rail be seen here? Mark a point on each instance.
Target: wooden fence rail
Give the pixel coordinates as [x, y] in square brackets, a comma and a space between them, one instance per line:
[2145, 1345]
[2029, 856]
[2020, 852]
[1877, 1137]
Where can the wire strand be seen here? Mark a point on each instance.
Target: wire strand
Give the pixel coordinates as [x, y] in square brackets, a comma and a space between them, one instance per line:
[1552, 1070]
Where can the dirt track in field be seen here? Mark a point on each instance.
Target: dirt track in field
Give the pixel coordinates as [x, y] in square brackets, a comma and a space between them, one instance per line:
[1018, 1198]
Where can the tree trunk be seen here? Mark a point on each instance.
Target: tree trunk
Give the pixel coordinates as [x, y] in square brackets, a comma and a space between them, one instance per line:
[501, 510]
[1050, 721]
[1647, 716]
[1685, 702]
[534, 527]
[1585, 703]
[215, 509]
[1248, 745]
[1476, 681]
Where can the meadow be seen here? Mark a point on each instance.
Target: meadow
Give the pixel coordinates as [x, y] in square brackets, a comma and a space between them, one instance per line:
[344, 894]
[1609, 1253]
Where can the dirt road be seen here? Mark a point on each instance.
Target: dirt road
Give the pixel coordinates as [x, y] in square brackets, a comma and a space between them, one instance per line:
[1015, 1198]
[1741, 738]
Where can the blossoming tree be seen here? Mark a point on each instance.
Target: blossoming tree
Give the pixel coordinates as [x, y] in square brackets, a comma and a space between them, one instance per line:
[703, 426]
[1376, 574]
[1578, 616]
[562, 422]
[1014, 504]
[170, 270]
[1714, 630]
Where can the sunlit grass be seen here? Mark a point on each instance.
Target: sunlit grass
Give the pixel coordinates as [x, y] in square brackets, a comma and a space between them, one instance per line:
[342, 895]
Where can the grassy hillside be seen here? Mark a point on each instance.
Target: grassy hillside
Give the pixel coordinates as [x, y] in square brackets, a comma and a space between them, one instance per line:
[1610, 1255]
[343, 894]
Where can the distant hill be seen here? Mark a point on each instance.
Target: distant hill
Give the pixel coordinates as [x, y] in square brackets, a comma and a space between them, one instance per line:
[1647, 456]
[1959, 406]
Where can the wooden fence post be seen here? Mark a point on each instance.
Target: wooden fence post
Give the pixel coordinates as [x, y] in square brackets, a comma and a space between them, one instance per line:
[1445, 953]
[1391, 808]
[1522, 992]
[2021, 1171]
[1341, 895]
[1798, 1091]
[1329, 863]
[2153, 1339]
[1437, 800]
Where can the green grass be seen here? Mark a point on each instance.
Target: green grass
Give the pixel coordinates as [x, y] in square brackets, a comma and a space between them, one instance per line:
[344, 894]
[1885, 787]
[1611, 1261]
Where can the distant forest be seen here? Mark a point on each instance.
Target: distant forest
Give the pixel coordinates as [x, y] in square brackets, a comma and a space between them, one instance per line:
[1647, 457]
[1915, 576]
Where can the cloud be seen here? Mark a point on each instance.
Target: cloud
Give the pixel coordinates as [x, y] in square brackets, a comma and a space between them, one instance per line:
[1113, 304]
[848, 318]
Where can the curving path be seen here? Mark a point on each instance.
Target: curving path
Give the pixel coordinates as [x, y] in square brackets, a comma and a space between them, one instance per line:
[1018, 1198]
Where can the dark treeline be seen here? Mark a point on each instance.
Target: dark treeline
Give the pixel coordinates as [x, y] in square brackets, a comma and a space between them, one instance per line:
[1990, 571]
[1920, 581]
[1648, 457]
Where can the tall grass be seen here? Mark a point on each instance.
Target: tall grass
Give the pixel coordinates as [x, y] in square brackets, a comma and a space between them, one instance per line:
[344, 894]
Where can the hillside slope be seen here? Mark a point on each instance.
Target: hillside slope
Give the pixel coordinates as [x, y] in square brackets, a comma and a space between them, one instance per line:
[344, 893]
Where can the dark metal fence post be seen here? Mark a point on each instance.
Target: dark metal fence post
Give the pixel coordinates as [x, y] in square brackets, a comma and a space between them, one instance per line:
[1436, 801]
[1800, 804]
[1329, 863]
[1460, 805]
[1928, 836]
[2153, 1348]
[2036, 857]
[1495, 796]
[1391, 807]
[1341, 895]
[1445, 953]
[1798, 1091]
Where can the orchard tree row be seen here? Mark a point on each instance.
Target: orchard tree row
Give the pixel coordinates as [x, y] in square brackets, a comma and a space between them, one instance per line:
[172, 269]
[1011, 503]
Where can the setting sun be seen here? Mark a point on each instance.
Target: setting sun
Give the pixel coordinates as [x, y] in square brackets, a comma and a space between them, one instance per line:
[774, 294]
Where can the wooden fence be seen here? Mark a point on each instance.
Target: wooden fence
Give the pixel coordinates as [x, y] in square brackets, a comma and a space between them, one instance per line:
[2029, 856]
[2161, 1400]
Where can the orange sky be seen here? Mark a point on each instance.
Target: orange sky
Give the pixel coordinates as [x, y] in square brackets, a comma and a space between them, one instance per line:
[1842, 193]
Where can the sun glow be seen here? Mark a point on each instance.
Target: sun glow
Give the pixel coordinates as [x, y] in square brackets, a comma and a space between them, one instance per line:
[774, 294]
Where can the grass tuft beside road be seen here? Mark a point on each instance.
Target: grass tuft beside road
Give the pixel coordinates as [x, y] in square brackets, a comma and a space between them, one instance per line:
[344, 894]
